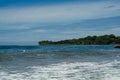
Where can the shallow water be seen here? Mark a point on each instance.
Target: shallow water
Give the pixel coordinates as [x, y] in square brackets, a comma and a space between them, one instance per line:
[60, 62]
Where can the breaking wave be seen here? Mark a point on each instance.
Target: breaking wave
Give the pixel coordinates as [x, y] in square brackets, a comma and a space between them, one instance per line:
[67, 71]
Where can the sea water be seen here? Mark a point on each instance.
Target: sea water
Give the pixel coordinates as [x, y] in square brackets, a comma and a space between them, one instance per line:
[75, 62]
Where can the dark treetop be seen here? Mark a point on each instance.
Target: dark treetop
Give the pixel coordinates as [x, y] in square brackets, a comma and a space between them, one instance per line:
[89, 40]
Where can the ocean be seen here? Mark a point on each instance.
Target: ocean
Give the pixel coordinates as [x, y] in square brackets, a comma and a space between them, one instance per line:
[68, 62]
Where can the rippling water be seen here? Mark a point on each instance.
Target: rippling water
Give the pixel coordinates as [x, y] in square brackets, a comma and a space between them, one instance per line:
[59, 62]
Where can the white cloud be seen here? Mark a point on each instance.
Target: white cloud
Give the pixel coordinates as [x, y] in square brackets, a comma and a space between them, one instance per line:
[117, 29]
[3, 38]
[39, 31]
[59, 13]
[85, 32]
[15, 27]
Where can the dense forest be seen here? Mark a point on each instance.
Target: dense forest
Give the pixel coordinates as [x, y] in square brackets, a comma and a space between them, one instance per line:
[89, 40]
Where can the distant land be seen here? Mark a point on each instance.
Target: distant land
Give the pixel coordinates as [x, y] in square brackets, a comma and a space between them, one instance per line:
[89, 40]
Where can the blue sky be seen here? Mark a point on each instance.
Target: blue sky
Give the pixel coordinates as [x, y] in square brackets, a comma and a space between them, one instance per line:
[24, 22]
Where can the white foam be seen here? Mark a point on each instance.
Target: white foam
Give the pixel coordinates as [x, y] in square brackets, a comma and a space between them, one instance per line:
[68, 71]
[112, 78]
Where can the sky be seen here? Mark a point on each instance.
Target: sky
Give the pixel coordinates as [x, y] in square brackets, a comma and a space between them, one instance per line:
[25, 22]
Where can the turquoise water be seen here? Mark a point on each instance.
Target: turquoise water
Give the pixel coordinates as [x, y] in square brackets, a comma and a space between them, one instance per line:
[75, 62]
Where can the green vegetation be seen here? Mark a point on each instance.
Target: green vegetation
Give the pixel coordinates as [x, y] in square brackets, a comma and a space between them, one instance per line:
[89, 40]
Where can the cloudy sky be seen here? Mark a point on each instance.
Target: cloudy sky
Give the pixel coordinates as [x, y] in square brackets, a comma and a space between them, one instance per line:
[24, 22]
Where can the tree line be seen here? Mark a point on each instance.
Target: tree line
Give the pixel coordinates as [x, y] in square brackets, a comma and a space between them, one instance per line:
[89, 40]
